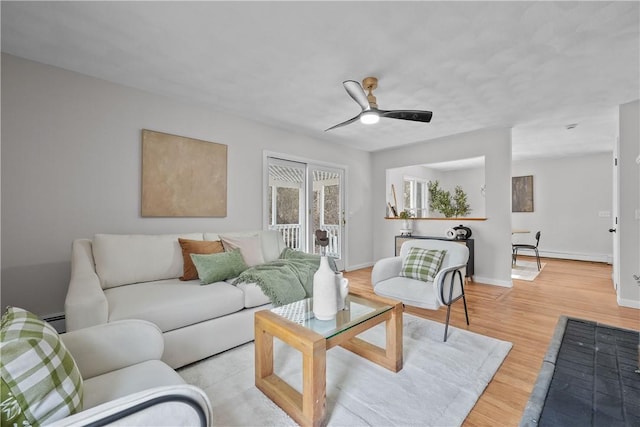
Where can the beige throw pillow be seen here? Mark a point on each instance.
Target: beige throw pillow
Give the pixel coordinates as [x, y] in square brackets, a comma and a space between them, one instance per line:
[250, 248]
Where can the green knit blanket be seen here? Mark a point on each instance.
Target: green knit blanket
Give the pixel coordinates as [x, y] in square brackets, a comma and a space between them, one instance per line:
[287, 279]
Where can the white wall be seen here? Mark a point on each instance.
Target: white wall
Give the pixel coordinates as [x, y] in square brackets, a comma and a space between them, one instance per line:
[629, 215]
[470, 179]
[569, 195]
[493, 236]
[71, 156]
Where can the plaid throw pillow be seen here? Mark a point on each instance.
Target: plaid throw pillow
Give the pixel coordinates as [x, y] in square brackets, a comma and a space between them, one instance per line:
[41, 382]
[422, 264]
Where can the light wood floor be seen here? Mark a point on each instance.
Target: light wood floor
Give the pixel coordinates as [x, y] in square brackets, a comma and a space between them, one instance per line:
[525, 315]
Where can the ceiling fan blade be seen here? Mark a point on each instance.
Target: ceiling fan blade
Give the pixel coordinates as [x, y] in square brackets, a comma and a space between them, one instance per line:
[344, 123]
[356, 92]
[413, 115]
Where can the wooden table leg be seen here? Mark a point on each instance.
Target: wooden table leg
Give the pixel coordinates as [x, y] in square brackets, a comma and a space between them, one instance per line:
[309, 407]
[389, 357]
[314, 389]
[394, 337]
[263, 354]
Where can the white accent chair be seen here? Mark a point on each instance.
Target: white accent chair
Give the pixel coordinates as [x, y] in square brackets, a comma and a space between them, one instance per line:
[446, 288]
[126, 383]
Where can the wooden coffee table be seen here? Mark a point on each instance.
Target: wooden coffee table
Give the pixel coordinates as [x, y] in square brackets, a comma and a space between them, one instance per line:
[295, 325]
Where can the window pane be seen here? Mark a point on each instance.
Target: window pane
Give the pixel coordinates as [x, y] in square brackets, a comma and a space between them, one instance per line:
[406, 195]
[288, 204]
[331, 204]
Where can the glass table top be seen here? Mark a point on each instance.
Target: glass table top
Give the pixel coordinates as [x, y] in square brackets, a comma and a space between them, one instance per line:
[357, 310]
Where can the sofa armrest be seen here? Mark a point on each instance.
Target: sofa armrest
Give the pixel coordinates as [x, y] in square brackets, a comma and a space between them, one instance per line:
[183, 405]
[115, 345]
[385, 268]
[85, 304]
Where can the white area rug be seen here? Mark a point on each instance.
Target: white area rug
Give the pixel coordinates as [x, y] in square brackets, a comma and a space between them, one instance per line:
[438, 385]
[526, 270]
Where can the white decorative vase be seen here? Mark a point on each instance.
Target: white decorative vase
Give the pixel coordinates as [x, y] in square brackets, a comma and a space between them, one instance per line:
[407, 227]
[342, 290]
[325, 302]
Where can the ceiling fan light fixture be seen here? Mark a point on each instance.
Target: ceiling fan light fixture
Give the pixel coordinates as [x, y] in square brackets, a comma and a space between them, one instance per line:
[370, 113]
[369, 117]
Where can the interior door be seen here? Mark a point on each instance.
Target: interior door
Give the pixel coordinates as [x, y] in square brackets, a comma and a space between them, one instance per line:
[326, 210]
[615, 275]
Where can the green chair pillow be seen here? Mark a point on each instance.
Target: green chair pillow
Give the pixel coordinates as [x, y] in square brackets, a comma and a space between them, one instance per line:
[41, 382]
[217, 267]
[422, 264]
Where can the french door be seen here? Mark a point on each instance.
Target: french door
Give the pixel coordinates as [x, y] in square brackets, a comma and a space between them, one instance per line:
[302, 197]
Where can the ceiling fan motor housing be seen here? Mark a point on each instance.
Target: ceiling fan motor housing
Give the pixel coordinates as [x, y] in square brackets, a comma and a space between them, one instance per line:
[369, 84]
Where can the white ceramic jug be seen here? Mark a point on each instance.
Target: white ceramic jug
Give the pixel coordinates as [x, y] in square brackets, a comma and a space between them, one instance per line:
[342, 290]
[325, 300]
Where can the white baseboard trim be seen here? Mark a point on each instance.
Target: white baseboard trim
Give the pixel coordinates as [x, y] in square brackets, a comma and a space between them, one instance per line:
[606, 258]
[359, 266]
[491, 281]
[624, 302]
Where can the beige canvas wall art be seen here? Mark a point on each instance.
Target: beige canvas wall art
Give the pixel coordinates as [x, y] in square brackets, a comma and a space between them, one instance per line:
[182, 177]
[522, 193]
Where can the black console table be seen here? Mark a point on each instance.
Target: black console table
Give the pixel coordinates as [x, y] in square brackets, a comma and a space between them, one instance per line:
[469, 242]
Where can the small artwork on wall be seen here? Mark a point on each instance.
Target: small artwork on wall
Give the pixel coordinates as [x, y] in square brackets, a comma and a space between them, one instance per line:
[183, 177]
[522, 193]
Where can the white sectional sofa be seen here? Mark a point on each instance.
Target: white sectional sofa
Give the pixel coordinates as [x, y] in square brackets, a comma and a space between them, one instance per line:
[116, 277]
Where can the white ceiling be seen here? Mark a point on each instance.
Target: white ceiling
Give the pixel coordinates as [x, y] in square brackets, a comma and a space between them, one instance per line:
[533, 66]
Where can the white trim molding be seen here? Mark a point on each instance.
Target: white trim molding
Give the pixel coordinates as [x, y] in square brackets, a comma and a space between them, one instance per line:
[494, 282]
[606, 258]
[624, 302]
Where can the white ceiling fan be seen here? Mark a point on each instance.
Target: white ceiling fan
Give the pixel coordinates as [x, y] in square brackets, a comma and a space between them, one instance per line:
[370, 113]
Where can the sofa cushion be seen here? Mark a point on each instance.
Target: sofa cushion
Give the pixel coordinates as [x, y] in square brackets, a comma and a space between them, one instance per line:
[250, 247]
[173, 304]
[272, 244]
[271, 241]
[411, 291]
[189, 271]
[39, 376]
[253, 295]
[122, 259]
[129, 380]
[218, 267]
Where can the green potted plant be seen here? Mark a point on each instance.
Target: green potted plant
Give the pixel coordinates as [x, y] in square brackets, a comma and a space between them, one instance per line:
[407, 227]
[449, 205]
[406, 214]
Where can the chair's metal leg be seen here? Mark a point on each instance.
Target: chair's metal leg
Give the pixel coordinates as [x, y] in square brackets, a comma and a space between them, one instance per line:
[464, 300]
[538, 259]
[446, 325]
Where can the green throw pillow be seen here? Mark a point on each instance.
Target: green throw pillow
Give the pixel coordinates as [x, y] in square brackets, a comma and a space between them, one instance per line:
[422, 264]
[41, 382]
[217, 267]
